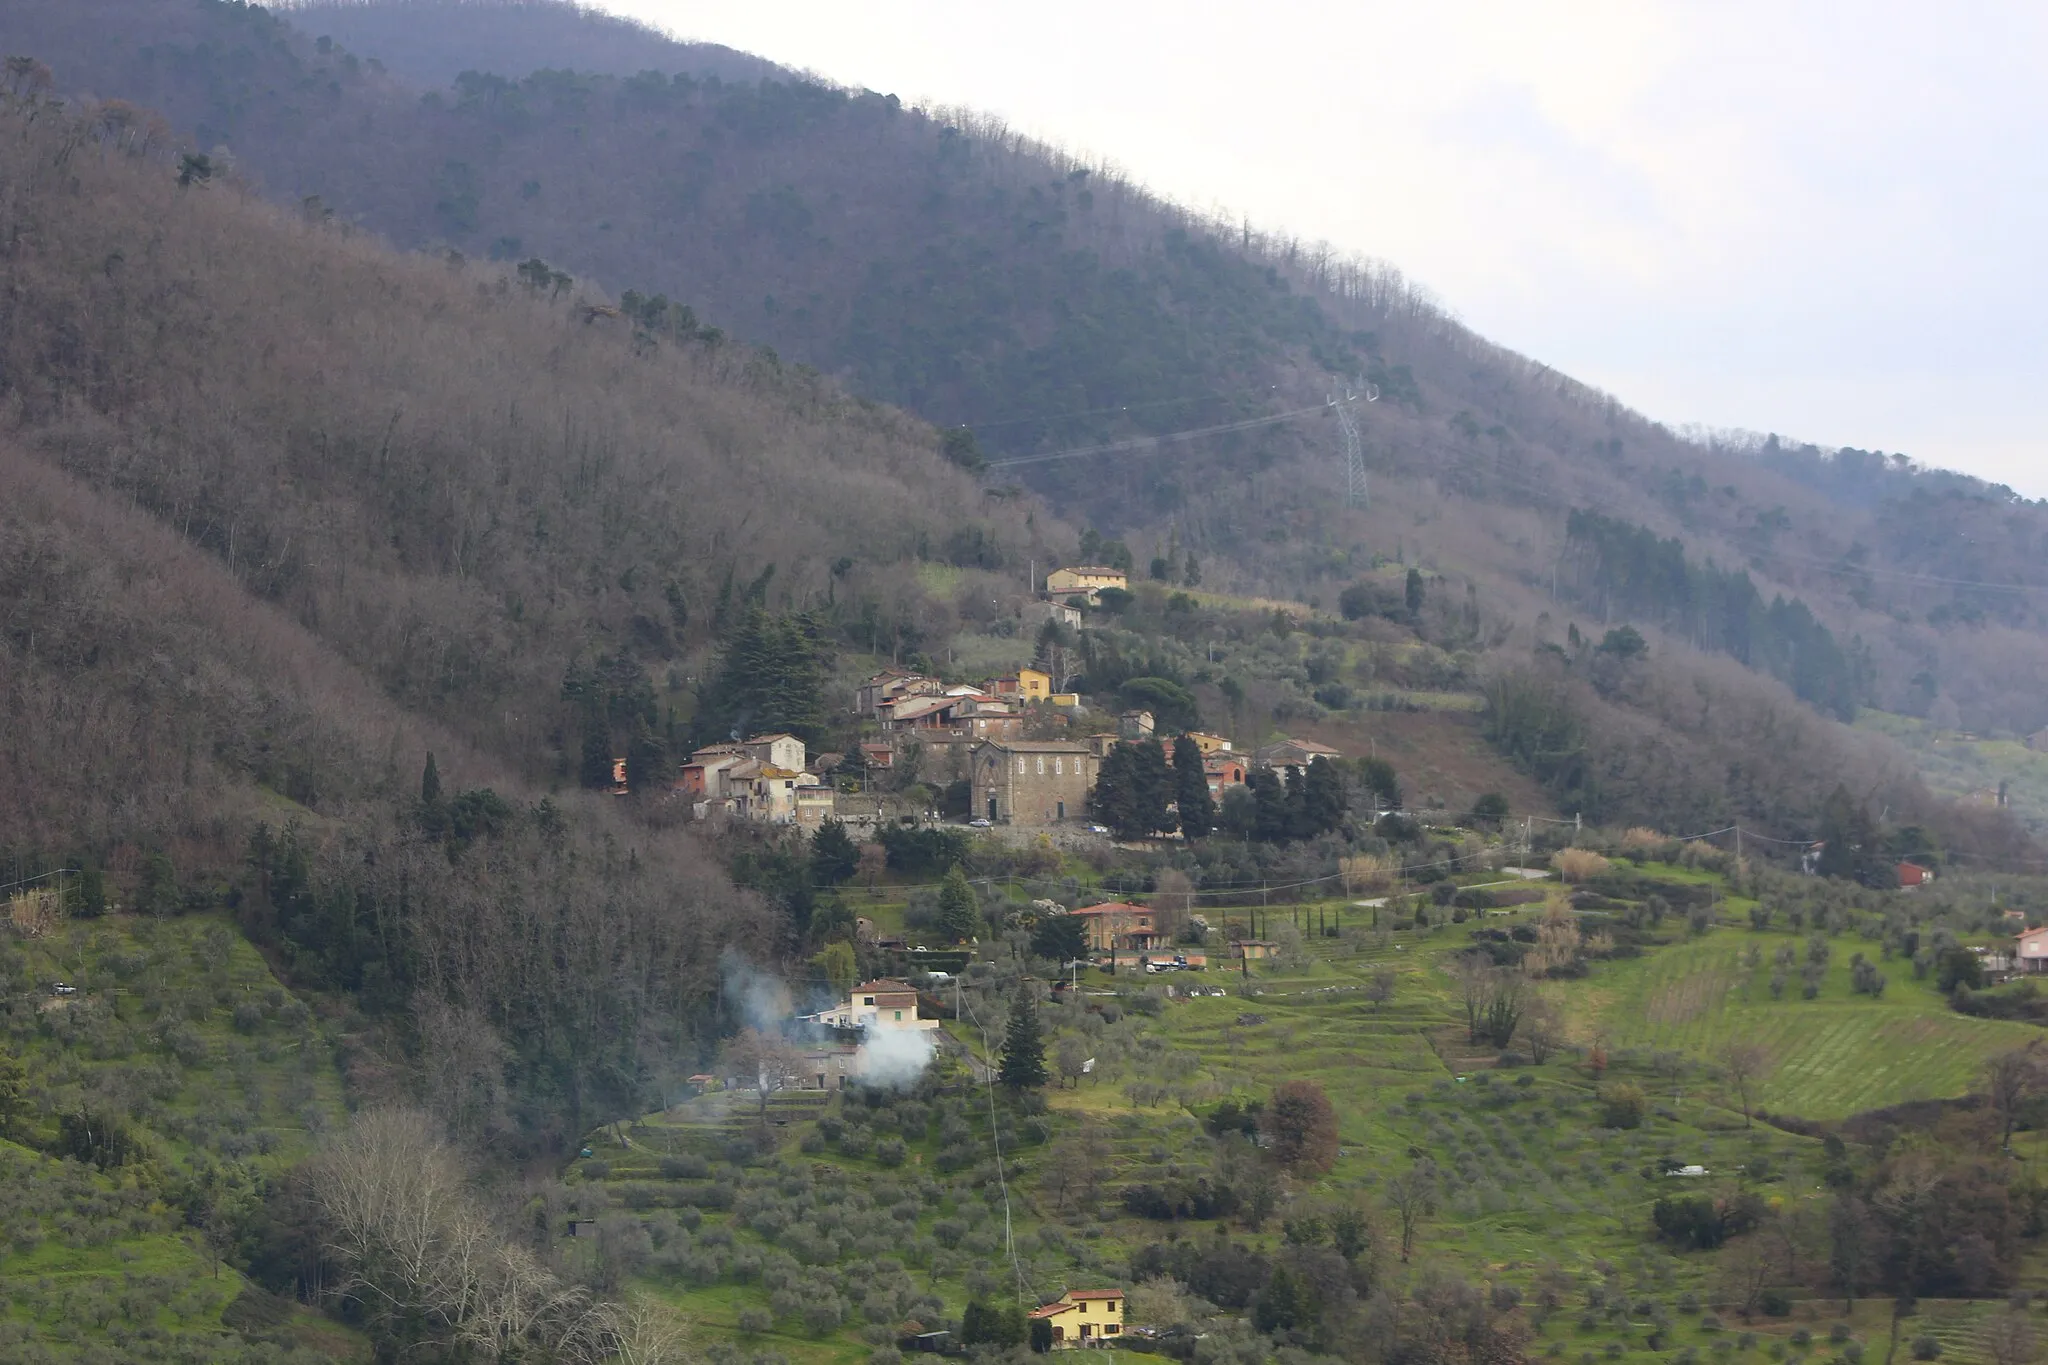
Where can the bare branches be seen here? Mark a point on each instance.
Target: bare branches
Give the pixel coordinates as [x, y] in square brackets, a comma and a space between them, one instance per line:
[1746, 1064]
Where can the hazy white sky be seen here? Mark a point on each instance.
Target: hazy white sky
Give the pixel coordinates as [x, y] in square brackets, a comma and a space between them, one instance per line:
[1826, 220]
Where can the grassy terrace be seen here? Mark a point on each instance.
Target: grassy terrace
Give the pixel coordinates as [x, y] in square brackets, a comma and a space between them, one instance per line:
[1532, 1184]
[180, 1034]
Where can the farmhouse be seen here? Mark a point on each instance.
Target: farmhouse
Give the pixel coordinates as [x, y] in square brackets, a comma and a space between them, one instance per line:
[1085, 580]
[1083, 1317]
[1294, 753]
[1031, 782]
[1224, 771]
[1026, 684]
[2031, 950]
[1117, 924]
[882, 1004]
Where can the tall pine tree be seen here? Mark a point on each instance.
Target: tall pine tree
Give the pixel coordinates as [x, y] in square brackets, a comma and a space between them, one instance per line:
[1191, 790]
[1154, 786]
[1023, 1066]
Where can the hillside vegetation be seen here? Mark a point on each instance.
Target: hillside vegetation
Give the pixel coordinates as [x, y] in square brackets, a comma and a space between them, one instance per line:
[938, 260]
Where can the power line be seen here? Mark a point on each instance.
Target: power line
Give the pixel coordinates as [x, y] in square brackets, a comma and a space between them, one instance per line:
[1149, 444]
[1119, 407]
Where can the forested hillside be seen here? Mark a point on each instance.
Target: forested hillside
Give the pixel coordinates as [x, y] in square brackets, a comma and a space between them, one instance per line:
[937, 260]
[288, 513]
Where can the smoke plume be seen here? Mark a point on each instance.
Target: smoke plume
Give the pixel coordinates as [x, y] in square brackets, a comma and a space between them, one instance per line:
[894, 1058]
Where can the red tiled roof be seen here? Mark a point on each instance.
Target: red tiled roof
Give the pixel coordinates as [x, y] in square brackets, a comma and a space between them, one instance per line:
[1113, 908]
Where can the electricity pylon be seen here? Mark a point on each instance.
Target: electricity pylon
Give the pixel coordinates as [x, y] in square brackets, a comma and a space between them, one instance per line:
[1356, 493]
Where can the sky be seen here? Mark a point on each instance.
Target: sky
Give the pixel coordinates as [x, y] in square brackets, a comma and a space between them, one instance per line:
[1822, 220]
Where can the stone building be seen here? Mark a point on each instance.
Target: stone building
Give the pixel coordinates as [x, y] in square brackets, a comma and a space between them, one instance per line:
[1031, 782]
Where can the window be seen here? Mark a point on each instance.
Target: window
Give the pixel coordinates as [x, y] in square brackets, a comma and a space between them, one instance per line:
[1041, 765]
[1020, 765]
[867, 1000]
[1059, 767]
[899, 1016]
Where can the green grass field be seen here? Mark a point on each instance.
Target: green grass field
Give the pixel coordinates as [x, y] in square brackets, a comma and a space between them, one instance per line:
[179, 1035]
[1830, 1057]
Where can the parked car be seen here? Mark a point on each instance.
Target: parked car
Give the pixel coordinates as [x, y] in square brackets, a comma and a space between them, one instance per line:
[1098, 829]
[978, 824]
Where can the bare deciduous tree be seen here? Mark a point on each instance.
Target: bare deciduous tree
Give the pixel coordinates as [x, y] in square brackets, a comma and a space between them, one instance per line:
[1412, 1197]
[1746, 1064]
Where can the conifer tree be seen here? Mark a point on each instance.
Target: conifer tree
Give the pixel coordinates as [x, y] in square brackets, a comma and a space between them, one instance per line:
[1153, 786]
[1023, 1065]
[594, 771]
[1116, 794]
[1323, 800]
[430, 782]
[834, 855]
[1191, 790]
[959, 916]
[1270, 802]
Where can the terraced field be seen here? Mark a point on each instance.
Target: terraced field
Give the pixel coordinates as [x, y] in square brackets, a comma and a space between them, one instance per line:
[1831, 1056]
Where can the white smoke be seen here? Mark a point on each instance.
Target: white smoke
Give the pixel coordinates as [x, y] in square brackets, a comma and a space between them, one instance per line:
[756, 997]
[894, 1058]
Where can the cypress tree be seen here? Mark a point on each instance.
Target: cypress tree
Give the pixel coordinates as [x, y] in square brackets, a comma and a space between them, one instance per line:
[1191, 790]
[1116, 793]
[1270, 804]
[430, 782]
[1154, 786]
[1323, 796]
[959, 916]
[1023, 1065]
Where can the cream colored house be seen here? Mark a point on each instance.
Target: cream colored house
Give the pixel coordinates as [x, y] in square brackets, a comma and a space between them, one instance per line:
[1084, 1317]
[882, 1004]
[1085, 580]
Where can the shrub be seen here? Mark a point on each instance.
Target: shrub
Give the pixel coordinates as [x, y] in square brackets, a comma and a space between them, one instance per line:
[687, 1167]
[1623, 1105]
[756, 1320]
[891, 1152]
[1801, 1338]
[1578, 864]
[597, 1170]
[1838, 1333]
[1926, 1347]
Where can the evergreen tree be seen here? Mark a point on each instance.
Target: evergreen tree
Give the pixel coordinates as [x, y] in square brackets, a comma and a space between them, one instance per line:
[1191, 790]
[771, 677]
[646, 759]
[1270, 804]
[1060, 938]
[1323, 799]
[1413, 595]
[1299, 825]
[430, 782]
[834, 855]
[959, 916]
[594, 771]
[1116, 794]
[1023, 1065]
[1280, 1304]
[1153, 786]
[1850, 841]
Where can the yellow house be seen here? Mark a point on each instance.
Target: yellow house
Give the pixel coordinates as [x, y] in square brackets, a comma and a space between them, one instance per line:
[1209, 744]
[1083, 1317]
[1026, 684]
[1085, 580]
